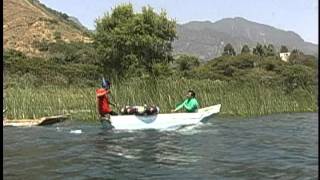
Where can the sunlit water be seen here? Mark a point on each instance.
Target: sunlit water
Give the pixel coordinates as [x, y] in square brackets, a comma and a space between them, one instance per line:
[283, 146]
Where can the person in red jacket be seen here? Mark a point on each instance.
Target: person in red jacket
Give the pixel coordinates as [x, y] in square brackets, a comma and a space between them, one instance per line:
[103, 101]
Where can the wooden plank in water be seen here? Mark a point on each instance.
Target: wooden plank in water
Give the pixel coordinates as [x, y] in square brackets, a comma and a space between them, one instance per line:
[35, 122]
[52, 120]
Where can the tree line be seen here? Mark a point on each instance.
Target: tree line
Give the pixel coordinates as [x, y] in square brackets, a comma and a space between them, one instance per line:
[259, 49]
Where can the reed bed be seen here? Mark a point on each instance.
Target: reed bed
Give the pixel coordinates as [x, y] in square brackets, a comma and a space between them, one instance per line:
[236, 99]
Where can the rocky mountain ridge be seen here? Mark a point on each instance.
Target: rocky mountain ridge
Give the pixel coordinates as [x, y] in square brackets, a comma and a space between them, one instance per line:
[207, 40]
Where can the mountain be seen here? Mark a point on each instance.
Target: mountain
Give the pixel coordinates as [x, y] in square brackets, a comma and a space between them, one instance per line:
[207, 40]
[76, 21]
[26, 23]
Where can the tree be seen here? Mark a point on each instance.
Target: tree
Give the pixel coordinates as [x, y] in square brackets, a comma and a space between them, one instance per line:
[283, 49]
[125, 39]
[298, 76]
[228, 50]
[245, 49]
[295, 56]
[186, 62]
[270, 50]
[258, 50]
[298, 57]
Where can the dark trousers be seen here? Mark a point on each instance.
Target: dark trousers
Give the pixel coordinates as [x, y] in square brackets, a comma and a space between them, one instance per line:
[110, 113]
[113, 113]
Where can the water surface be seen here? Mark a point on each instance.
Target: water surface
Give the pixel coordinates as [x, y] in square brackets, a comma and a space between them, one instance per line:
[281, 146]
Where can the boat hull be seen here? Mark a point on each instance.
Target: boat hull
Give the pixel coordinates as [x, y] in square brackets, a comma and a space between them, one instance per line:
[36, 122]
[162, 121]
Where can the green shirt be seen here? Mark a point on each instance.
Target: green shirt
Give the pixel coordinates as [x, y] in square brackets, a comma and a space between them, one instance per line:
[191, 105]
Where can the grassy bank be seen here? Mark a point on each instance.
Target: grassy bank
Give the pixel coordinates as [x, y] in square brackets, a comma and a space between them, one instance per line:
[248, 99]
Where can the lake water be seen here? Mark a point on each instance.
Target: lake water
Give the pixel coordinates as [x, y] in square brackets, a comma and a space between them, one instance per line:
[281, 146]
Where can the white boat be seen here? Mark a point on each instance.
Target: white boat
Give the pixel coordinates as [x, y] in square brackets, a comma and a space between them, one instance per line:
[162, 121]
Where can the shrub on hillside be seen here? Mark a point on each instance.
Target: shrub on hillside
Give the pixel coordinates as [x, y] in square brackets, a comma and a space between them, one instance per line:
[271, 64]
[297, 76]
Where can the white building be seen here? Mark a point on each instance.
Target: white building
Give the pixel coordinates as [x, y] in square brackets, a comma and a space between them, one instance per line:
[285, 56]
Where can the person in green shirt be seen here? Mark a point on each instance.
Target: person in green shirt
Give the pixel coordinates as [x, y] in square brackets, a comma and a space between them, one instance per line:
[190, 104]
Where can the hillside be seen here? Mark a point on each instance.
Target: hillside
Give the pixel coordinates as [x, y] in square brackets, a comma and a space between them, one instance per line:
[207, 39]
[27, 23]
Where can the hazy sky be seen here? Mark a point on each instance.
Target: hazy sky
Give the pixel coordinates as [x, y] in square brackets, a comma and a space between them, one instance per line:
[300, 16]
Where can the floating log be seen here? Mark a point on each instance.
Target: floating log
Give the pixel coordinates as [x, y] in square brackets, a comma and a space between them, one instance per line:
[35, 122]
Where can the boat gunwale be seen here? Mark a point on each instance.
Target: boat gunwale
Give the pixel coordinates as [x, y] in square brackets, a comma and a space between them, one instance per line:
[206, 111]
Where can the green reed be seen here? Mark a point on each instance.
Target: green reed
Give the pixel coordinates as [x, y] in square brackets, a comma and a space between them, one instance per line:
[248, 99]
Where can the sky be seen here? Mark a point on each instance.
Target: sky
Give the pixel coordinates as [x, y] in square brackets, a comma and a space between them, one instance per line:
[300, 16]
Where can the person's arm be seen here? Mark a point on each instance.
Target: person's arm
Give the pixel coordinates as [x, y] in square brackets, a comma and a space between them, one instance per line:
[111, 103]
[181, 105]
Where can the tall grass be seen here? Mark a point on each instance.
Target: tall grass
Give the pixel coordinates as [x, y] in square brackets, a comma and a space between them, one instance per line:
[248, 99]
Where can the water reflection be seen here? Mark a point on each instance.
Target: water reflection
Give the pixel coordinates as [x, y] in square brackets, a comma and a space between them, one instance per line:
[147, 146]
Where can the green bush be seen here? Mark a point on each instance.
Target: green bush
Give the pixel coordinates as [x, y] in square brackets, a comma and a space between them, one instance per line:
[34, 71]
[271, 64]
[296, 76]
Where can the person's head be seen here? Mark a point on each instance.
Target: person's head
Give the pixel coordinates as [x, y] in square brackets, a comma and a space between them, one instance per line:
[105, 84]
[191, 94]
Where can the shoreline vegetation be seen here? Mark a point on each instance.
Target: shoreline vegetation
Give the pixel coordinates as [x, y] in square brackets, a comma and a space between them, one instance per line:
[237, 100]
[134, 51]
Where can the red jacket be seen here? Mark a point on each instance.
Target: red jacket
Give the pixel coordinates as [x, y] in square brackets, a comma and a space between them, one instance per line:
[103, 101]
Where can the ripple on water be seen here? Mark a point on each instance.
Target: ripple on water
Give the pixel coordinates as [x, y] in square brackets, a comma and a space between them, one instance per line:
[282, 146]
